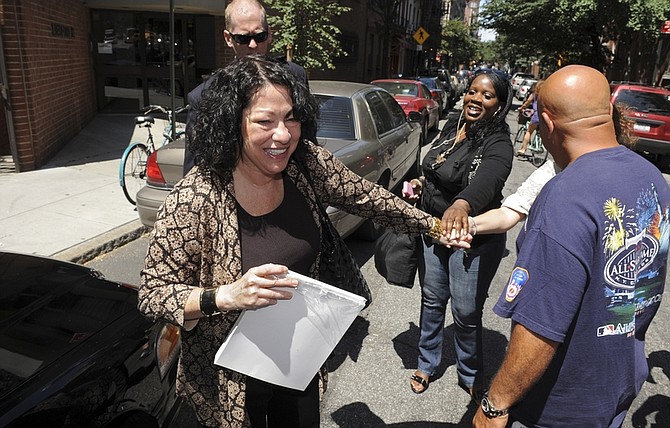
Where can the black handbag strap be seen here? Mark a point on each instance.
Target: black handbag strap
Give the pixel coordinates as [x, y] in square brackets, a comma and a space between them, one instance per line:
[323, 215]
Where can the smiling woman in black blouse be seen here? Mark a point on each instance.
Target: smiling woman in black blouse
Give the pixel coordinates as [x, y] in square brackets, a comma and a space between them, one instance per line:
[464, 174]
[243, 216]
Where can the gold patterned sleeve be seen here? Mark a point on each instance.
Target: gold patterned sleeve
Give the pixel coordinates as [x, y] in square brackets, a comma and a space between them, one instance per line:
[342, 188]
[170, 273]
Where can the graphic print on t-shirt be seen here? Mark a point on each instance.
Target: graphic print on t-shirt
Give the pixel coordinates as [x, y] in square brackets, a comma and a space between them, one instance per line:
[636, 243]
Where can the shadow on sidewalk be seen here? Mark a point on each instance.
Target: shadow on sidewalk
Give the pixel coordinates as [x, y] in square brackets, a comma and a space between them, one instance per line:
[104, 138]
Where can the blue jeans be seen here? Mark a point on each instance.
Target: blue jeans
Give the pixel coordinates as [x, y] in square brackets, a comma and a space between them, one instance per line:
[464, 277]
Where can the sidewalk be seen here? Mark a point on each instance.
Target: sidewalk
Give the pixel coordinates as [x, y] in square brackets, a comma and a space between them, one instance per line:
[73, 208]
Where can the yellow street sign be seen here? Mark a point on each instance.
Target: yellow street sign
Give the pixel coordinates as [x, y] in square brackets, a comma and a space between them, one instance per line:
[420, 35]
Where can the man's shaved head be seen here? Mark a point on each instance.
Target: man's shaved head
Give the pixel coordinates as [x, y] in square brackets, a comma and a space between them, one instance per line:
[244, 8]
[577, 93]
[575, 113]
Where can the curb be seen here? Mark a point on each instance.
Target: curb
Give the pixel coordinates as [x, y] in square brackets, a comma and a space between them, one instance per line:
[103, 243]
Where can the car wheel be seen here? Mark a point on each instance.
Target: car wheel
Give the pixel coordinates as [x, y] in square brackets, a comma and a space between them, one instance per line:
[436, 124]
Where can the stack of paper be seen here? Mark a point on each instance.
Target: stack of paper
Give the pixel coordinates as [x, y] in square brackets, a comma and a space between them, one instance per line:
[286, 344]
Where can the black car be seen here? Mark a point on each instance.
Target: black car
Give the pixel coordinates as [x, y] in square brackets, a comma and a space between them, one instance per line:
[76, 352]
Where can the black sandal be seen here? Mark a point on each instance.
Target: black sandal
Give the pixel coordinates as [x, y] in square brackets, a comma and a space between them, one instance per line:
[421, 381]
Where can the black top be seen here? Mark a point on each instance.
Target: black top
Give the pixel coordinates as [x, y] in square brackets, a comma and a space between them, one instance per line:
[288, 235]
[475, 174]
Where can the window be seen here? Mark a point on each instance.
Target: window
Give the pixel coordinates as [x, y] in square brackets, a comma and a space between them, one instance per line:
[397, 114]
[647, 102]
[380, 113]
[336, 119]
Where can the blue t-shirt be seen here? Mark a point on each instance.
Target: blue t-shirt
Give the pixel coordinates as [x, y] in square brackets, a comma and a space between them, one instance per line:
[590, 274]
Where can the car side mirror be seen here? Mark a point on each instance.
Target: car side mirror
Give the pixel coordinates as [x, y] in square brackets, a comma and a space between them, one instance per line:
[414, 117]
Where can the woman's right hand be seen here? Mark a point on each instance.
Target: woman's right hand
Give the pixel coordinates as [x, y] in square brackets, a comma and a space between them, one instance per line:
[259, 287]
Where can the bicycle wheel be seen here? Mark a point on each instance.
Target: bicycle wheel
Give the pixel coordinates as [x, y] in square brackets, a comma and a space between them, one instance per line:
[133, 170]
[538, 152]
[518, 140]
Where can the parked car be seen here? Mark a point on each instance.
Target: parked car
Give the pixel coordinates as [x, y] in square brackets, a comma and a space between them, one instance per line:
[439, 92]
[361, 124]
[76, 352]
[412, 95]
[648, 107]
[525, 89]
[465, 76]
[518, 78]
[459, 86]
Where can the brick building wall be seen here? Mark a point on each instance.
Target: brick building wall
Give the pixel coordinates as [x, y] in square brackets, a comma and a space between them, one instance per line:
[50, 74]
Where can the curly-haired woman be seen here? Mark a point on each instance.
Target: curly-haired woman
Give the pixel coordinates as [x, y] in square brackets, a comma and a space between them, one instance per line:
[245, 214]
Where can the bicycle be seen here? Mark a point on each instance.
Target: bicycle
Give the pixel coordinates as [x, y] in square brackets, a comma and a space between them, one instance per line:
[133, 168]
[538, 153]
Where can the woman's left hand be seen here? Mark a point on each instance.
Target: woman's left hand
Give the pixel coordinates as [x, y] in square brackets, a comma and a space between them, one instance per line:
[455, 219]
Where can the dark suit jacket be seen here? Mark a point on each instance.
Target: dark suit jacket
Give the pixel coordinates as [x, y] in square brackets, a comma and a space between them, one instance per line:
[196, 94]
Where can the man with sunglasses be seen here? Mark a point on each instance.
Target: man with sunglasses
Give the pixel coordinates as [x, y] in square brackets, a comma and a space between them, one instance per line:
[246, 33]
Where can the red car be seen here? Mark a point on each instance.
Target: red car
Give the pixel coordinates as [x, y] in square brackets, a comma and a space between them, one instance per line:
[649, 109]
[412, 95]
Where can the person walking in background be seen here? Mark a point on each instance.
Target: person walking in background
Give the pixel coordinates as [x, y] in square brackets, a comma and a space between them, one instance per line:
[464, 174]
[590, 272]
[245, 214]
[247, 32]
[534, 119]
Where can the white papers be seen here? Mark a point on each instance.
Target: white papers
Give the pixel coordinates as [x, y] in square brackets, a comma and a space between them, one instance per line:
[287, 343]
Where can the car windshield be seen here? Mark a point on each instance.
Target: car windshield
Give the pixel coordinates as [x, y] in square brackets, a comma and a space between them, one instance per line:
[336, 118]
[647, 102]
[399, 88]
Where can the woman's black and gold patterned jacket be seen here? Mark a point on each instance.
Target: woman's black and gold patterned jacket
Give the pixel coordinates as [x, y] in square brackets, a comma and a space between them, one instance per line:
[195, 243]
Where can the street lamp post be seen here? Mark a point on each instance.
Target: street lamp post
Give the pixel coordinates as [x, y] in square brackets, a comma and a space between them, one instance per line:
[172, 72]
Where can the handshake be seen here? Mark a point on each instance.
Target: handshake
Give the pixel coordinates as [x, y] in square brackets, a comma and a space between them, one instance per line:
[458, 228]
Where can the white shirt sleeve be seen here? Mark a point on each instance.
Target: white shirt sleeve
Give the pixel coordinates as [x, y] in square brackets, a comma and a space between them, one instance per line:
[525, 195]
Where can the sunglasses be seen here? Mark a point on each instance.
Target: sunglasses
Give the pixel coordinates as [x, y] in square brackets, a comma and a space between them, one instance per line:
[245, 39]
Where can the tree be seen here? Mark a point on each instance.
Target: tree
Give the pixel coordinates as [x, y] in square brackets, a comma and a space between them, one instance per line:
[560, 32]
[457, 43]
[303, 30]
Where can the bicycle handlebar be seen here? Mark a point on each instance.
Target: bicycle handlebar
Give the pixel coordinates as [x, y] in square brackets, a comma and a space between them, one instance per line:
[150, 108]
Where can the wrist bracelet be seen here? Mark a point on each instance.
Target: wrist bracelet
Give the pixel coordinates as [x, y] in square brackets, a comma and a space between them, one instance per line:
[473, 226]
[208, 302]
[436, 231]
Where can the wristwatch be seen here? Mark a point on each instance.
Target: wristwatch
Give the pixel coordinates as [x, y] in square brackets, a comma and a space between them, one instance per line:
[489, 410]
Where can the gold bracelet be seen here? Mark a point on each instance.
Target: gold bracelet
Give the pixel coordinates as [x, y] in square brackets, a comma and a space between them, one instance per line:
[435, 232]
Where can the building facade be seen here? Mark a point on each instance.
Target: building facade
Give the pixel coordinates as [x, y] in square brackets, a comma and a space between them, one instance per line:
[62, 62]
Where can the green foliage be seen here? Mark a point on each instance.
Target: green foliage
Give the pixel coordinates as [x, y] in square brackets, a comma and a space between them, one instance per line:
[578, 31]
[304, 29]
[457, 43]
